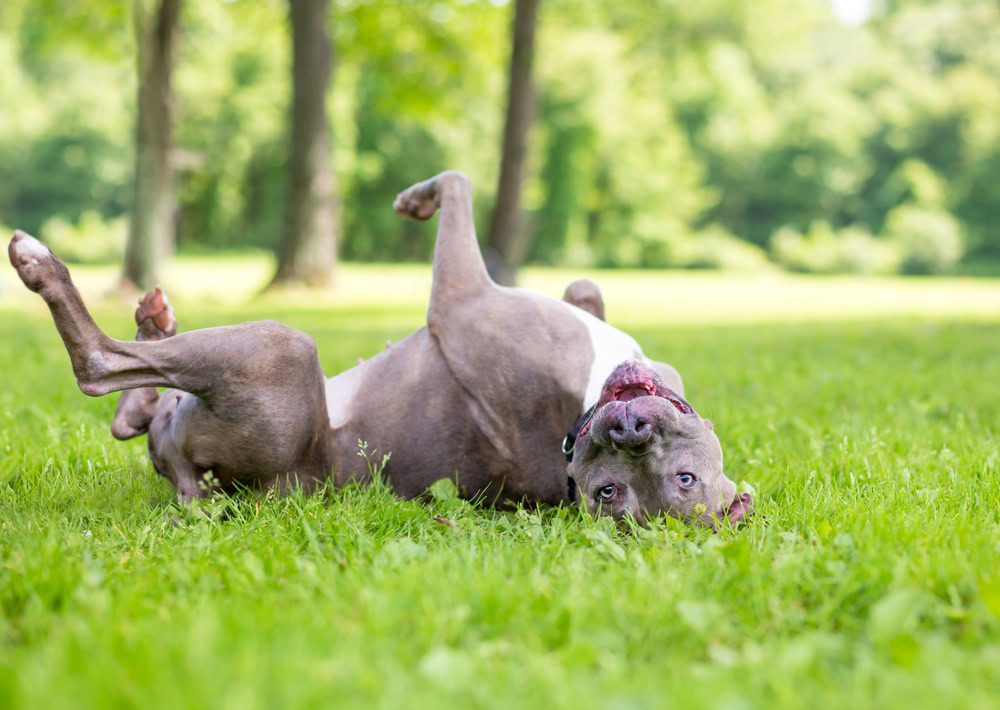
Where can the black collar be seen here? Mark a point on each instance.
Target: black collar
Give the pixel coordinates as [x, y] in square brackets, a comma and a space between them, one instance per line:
[569, 444]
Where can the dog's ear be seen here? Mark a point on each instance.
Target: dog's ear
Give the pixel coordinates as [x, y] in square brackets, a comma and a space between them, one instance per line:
[708, 424]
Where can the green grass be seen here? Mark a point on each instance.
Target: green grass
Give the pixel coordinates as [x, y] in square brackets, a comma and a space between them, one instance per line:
[865, 413]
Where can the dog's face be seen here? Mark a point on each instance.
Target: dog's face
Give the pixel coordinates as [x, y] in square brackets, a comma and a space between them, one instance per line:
[646, 452]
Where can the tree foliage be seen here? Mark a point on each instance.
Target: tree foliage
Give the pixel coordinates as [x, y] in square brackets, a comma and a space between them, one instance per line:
[668, 132]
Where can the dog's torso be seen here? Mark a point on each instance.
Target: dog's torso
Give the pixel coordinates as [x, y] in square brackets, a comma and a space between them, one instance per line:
[484, 394]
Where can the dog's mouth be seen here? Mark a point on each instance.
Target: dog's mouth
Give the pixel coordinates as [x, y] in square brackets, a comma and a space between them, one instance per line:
[632, 380]
[632, 390]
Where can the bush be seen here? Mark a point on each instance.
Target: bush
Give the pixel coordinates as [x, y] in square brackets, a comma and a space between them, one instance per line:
[861, 253]
[666, 244]
[815, 253]
[715, 248]
[929, 241]
[852, 250]
[91, 241]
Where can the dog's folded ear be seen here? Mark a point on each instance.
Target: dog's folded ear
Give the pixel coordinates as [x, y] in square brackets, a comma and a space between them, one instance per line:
[740, 509]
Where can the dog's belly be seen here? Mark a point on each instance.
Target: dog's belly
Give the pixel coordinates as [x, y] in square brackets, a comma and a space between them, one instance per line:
[405, 402]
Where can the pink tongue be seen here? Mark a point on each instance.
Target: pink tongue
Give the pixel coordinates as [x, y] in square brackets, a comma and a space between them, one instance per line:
[627, 395]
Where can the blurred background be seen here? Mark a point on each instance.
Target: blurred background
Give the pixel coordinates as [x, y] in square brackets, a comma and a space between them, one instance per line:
[821, 136]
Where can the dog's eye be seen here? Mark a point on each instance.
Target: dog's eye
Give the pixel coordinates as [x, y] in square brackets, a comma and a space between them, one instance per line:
[685, 479]
[607, 493]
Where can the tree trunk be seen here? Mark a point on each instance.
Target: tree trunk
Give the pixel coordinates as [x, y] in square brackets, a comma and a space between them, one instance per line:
[151, 231]
[507, 243]
[307, 250]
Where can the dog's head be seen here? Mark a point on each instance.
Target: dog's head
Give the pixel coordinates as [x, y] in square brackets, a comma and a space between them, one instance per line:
[645, 452]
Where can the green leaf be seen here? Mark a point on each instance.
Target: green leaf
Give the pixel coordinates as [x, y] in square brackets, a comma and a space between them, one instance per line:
[443, 490]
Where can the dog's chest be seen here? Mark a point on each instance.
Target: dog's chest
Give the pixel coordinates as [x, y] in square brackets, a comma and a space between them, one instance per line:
[611, 347]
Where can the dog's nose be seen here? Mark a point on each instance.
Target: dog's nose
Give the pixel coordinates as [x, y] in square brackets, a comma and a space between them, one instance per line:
[630, 430]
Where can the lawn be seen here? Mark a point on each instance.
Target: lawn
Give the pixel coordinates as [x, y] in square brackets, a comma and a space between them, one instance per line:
[865, 412]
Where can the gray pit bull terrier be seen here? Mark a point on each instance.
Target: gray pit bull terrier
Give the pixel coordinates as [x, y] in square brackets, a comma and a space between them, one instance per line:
[484, 394]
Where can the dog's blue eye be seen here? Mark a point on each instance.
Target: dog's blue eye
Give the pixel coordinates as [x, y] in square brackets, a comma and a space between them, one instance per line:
[686, 479]
[607, 493]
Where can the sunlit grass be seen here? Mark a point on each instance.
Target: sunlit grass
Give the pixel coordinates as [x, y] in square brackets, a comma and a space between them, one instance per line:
[864, 411]
[634, 297]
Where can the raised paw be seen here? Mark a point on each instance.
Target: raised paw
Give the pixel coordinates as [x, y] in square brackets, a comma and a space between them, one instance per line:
[419, 201]
[422, 200]
[35, 263]
[155, 317]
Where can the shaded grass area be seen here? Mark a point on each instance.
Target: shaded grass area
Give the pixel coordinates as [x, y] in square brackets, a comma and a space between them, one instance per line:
[871, 575]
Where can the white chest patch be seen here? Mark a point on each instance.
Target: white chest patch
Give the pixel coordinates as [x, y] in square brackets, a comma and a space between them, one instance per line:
[611, 348]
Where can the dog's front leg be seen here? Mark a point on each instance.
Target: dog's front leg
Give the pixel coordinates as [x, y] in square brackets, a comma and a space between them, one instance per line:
[459, 271]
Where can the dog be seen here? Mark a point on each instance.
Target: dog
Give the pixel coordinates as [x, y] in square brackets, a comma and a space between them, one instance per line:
[484, 394]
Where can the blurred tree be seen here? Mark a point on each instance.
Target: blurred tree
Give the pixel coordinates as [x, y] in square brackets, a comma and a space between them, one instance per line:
[151, 232]
[234, 129]
[392, 153]
[307, 250]
[507, 242]
[569, 135]
[66, 128]
[405, 112]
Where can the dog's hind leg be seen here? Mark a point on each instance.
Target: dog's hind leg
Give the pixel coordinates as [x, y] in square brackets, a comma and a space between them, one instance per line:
[259, 405]
[214, 363]
[136, 408]
[459, 271]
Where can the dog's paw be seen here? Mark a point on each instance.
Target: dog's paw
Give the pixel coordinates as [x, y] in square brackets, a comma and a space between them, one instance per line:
[419, 201]
[155, 317]
[34, 262]
[422, 200]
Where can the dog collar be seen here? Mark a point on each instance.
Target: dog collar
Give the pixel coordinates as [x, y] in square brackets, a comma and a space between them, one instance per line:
[569, 444]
